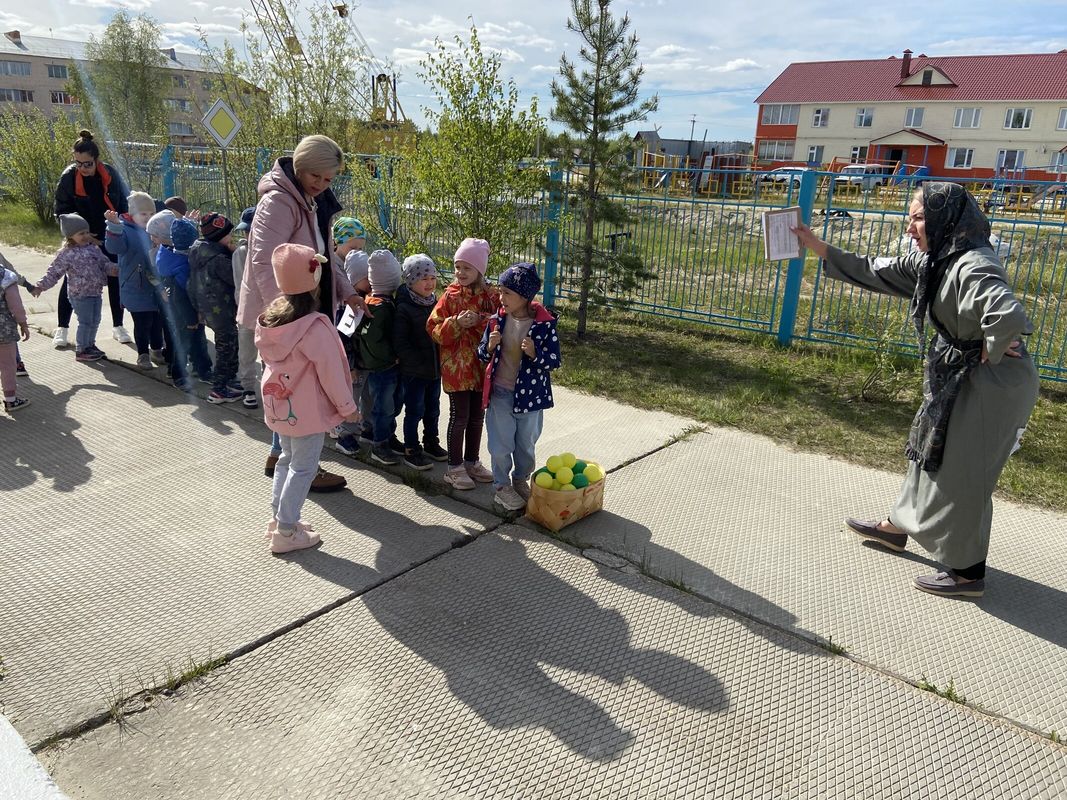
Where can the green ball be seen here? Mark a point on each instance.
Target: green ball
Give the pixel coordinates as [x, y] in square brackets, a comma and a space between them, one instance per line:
[579, 467]
[543, 479]
[580, 481]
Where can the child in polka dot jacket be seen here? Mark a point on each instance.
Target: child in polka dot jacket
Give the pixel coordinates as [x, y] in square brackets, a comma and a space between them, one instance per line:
[521, 346]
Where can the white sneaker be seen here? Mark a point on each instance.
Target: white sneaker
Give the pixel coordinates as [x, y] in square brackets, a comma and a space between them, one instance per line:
[122, 336]
[509, 499]
[59, 339]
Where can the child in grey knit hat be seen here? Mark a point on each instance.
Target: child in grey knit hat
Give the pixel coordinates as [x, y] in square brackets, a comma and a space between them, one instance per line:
[420, 373]
[86, 270]
[379, 355]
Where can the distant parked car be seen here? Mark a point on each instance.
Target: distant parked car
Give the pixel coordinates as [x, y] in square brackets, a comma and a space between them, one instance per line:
[788, 175]
[866, 176]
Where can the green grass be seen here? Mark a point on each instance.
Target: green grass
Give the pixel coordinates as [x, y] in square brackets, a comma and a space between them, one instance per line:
[949, 692]
[20, 226]
[807, 395]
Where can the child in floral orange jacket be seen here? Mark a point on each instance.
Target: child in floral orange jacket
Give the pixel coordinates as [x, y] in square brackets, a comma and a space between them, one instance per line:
[456, 324]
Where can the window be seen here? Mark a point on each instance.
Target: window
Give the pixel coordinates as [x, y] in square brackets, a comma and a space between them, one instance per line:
[815, 153]
[177, 104]
[14, 68]
[928, 78]
[180, 129]
[968, 118]
[207, 84]
[913, 118]
[959, 158]
[1010, 159]
[859, 154]
[776, 150]
[864, 117]
[57, 71]
[780, 115]
[1061, 125]
[16, 96]
[64, 99]
[820, 118]
[179, 81]
[1059, 162]
[1018, 118]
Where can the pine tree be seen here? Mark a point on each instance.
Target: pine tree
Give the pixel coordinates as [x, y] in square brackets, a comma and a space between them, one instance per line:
[595, 105]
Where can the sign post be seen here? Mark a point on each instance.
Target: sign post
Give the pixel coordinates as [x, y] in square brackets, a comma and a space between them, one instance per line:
[223, 126]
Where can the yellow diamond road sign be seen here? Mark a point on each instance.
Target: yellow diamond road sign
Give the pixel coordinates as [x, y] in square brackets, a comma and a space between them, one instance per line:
[222, 123]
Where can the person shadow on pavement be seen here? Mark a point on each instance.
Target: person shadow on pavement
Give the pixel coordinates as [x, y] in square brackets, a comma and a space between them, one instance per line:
[634, 542]
[498, 624]
[42, 442]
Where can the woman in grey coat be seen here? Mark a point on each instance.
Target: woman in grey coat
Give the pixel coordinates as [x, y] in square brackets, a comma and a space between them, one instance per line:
[979, 382]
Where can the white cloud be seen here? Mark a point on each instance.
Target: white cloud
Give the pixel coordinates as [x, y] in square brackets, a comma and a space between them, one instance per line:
[235, 12]
[132, 5]
[667, 50]
[736, 65]
[192, 30]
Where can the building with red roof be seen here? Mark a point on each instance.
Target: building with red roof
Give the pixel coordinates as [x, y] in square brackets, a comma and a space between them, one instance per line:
[959, 116]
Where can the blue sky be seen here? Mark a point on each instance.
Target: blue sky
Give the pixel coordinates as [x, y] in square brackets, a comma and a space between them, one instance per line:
[707, 61]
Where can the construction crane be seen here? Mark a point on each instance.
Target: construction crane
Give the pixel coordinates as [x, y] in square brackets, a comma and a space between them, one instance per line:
[374, 96]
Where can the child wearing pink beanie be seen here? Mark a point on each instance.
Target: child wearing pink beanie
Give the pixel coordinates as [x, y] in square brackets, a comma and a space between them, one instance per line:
[307, 388]
[456, 324]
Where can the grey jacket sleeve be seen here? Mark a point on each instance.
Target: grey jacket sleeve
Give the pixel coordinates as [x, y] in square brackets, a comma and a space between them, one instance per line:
[892, 276]
[984, 294]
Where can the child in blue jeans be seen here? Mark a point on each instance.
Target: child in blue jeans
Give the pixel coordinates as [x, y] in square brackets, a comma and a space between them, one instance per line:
[86, 270]
[379, 356]
[521, 345]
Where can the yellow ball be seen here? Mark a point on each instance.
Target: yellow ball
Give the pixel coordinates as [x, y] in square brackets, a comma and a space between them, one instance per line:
[564, 475]
[569, 487]
[568, 460]
[544, 480]
[556, 485]
[594, 473]
[553, 463]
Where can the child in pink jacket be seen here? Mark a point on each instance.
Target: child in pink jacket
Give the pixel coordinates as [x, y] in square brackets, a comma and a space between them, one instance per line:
[307, 388]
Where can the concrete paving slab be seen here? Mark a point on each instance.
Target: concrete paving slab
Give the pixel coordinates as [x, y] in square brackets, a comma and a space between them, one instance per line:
[514, 669]
[134, 539]
[757, 527]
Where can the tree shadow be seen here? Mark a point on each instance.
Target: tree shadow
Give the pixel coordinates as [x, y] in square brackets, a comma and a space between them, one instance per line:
[497, 624]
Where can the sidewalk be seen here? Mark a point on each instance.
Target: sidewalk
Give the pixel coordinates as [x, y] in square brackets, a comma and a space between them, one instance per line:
[431, 649]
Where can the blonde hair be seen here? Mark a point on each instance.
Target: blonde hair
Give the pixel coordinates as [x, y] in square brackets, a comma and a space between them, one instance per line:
[318, 154]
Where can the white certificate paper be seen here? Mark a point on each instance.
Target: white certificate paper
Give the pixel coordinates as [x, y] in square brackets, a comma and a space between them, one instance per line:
[349, 321]
[780, 243]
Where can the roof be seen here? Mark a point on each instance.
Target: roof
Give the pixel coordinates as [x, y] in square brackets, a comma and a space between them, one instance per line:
[66, 50]
[1035, 76]
[907, 136]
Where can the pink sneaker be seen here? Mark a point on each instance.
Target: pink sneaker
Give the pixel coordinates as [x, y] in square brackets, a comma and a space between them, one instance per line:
[272, 528]
[299, 539]
[478, 472]
[458, 477]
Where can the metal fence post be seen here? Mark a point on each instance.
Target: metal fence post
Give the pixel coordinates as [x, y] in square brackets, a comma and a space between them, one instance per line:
[549, 288]
[166, 165]
[791, 296]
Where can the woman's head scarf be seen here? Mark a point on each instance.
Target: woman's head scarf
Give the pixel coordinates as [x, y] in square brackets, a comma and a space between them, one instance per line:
[954, 224]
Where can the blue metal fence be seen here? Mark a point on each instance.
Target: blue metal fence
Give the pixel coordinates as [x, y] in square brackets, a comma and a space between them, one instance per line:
[699, 231]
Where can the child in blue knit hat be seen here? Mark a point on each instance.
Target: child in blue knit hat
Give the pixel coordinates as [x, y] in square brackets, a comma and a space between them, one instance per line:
[521, 344]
